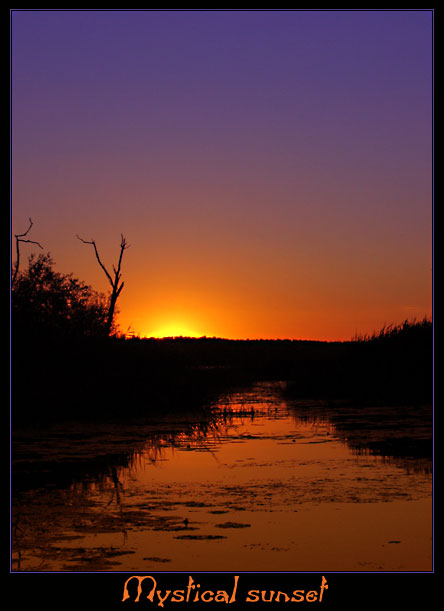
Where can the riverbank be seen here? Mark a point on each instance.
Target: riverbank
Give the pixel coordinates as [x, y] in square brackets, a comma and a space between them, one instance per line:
[54, 377]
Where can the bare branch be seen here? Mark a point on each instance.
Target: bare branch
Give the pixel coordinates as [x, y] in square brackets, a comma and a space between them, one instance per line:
[116, 288]
[19, 238]
[98, 258]
[31, 242]
[21, 235]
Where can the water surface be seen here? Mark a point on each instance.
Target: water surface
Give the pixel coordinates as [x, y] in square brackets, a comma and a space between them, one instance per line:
[261, 483]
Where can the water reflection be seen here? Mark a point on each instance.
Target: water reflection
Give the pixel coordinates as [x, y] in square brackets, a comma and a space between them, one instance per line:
[102, 498]
[398, 434]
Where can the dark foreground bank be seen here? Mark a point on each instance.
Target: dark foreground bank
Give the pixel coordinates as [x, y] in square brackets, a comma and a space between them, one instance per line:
[88, 377]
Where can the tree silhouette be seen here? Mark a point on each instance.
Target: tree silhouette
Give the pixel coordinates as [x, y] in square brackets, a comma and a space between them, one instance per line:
[46, 302]
[18, 239]
[115, 283]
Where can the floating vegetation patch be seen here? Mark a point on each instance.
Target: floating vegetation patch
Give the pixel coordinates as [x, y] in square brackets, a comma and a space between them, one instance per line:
[196, 504]
[174, 528]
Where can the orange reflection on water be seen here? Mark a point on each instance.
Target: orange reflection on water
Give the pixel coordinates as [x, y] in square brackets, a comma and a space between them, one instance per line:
[255, 487]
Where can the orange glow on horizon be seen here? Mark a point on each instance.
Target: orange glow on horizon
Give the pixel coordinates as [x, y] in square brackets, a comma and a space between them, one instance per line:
[172, 330]
[169, 325]
[326, 327]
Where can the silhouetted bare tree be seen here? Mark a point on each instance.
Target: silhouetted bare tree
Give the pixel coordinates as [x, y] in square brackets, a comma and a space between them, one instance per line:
[19, 238]
[115, 283]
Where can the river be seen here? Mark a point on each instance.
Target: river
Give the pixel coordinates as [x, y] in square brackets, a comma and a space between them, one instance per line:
[260, 483]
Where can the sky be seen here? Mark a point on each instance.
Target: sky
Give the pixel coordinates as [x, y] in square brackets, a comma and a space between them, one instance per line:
[270, 170]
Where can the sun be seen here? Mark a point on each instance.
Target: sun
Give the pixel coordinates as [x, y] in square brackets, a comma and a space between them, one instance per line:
[173, 328]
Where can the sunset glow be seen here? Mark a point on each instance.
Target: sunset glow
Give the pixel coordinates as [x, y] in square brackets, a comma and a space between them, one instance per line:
[271, 170]
[171, 328]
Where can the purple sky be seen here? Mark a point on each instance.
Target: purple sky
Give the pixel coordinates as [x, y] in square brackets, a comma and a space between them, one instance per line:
[272, 170]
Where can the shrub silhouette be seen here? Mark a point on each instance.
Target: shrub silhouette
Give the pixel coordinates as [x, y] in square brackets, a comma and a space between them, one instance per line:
[46, 302]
